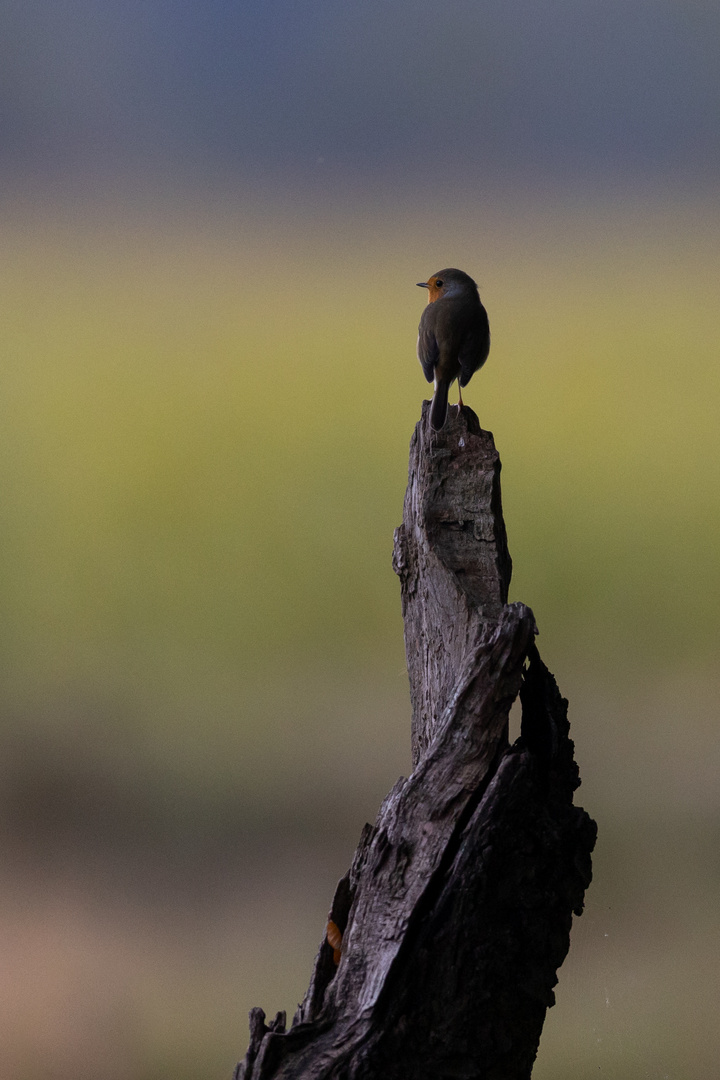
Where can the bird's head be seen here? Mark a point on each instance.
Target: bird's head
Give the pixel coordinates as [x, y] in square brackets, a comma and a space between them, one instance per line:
[448, 283]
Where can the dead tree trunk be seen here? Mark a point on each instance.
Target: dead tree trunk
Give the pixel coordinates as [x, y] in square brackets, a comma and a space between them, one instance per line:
[456, 911]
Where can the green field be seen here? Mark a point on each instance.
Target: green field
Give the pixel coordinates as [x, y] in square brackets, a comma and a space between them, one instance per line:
[205, 421]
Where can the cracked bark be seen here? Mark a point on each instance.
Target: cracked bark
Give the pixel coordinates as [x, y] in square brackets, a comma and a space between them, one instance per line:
[456, 911]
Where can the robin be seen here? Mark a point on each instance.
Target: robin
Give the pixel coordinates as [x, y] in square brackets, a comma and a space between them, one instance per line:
[453, 337]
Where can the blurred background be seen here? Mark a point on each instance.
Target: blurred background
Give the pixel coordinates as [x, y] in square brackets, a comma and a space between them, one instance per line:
[213, 217]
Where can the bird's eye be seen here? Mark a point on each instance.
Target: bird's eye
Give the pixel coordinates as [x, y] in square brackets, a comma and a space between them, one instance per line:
[438, 283]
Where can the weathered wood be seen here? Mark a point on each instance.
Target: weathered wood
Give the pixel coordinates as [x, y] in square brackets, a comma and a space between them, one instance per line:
[456, 911]
[452, 557]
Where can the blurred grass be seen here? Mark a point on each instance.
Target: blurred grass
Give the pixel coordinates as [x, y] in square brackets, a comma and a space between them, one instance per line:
[205, 422]
[205, 438]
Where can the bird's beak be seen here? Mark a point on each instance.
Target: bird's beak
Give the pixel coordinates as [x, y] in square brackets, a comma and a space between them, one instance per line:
[422, 284]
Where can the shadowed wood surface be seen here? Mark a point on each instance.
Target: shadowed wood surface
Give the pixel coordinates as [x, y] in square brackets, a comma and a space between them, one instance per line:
[457, 908]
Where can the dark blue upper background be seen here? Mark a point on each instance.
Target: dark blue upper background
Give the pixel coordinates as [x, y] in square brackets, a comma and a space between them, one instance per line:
[482, 87]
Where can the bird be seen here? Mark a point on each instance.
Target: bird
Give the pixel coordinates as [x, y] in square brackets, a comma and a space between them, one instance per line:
[453, 336]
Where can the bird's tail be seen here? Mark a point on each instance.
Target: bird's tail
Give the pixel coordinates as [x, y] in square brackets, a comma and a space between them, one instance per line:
[439, 407]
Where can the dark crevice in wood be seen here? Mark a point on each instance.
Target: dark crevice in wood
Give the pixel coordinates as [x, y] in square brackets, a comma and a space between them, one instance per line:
[325, 967]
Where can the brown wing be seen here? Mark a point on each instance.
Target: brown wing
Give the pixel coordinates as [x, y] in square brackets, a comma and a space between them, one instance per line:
[427, 346]
[475, 347]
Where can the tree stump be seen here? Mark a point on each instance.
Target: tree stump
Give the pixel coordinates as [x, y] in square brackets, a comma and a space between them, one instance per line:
[456, 911]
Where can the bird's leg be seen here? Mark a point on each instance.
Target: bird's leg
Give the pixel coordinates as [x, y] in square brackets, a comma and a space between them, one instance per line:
[460, 400]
